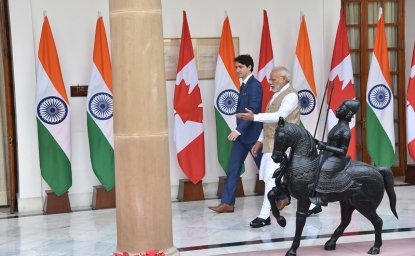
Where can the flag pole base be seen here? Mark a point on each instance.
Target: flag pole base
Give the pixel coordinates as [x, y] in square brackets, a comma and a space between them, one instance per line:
[102, 199]
[259, 186]
[56, 204]
[410, 174]
[239, 190]
[189, 191]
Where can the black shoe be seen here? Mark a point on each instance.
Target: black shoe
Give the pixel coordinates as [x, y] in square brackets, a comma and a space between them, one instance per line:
[317, 201]
[260, 222]
[315, 210]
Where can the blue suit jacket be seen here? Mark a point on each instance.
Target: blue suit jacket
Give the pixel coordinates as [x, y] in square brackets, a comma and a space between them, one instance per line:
[250, 97]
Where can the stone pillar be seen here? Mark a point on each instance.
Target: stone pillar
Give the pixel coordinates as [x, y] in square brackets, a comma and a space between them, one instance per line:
[144, 219]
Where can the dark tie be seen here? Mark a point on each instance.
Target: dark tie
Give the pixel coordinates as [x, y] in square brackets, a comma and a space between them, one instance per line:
[242, 86]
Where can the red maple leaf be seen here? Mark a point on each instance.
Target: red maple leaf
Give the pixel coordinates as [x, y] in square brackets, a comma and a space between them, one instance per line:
[187, 104]
[339, 94]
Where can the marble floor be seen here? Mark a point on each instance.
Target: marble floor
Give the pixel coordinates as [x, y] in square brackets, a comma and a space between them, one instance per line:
[197, 230]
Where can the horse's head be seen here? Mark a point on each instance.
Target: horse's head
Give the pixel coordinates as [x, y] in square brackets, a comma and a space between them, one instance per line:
[295, 137]
[280, 141]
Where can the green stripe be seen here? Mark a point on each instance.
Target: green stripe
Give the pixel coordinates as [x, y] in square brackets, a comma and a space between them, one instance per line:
[102, 155]
[54, 164]
[223, 145]
[378, 144]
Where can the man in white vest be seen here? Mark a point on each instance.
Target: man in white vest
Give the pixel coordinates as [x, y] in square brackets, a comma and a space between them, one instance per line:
[284, 103]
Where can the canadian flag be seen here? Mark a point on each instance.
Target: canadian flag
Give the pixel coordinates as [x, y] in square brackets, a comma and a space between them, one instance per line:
[265, 63]
[410, 110]
[341, 85]
[188, 112]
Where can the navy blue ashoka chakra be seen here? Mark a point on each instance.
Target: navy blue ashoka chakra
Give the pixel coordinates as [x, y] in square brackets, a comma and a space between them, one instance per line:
[307, 101]
[100, 106]
[379, 96]
[52, 110]
[227, 102]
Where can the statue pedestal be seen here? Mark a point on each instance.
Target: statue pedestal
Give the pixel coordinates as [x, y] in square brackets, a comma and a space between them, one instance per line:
[102, 199]
[189, 191]
[410, 174]
[259, 186]
[221, 186]
[56, 204]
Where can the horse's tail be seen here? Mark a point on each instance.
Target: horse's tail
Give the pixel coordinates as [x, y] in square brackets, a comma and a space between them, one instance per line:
[388, 181]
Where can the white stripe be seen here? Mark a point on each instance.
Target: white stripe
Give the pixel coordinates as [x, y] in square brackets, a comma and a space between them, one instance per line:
[299, 82]
[412, 71]
[410, 122]
[223, 82]
[61, 131]
[266, 70]
[97, 85]
[344, 71]
[185, 133]
[189, 74]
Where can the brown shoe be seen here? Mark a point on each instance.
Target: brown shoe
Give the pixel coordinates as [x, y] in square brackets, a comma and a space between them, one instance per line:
[214, 207]
[282, 203]
[223, 208]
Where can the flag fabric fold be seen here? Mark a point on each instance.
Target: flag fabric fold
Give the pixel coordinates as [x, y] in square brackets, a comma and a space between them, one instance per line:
[303, 79]
[265, 63]
[410, 110]
[341, 85]
[100, 111]
[226, 94]
[380, 134]
[53, 116]
[188, 112]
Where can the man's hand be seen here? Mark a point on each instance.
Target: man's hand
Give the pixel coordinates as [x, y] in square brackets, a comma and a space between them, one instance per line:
[256, 148]
[233, 136]
[249, 115]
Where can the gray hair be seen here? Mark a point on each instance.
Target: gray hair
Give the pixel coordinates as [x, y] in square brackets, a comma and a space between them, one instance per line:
[283, 72]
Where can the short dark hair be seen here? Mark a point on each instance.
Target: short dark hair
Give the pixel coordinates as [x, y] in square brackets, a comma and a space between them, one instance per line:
[245, 59]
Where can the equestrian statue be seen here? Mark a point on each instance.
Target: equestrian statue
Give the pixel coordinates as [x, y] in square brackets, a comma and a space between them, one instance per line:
[329, 176]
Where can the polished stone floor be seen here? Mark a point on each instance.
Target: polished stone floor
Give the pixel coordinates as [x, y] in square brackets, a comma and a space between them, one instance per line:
[197, 230]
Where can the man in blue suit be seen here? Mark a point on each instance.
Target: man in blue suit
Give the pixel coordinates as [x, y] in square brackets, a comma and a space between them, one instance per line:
[246, 133]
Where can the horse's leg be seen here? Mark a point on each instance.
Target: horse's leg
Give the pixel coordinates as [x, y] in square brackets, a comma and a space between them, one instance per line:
[272, 198]
[301, 217]
[346, 216]
[377, 223]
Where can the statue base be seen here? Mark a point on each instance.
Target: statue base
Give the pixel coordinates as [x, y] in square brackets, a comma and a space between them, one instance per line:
[102, 199]
[259, 186]
[410, 174]
[221, 186]
[56, 204]
[189, 191]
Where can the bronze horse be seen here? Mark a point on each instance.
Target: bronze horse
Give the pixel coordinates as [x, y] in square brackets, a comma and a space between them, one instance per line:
[301, 172]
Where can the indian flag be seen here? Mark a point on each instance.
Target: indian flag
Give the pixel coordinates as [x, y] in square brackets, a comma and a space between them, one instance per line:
[100, 110]
[226, 94]
[379, 103]
[53, 116]
[303, 79]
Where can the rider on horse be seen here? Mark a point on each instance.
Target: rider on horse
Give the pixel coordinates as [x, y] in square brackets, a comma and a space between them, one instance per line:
[333, 157]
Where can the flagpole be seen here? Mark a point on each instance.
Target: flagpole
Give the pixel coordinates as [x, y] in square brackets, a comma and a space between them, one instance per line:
[321, 107]
[327, 112]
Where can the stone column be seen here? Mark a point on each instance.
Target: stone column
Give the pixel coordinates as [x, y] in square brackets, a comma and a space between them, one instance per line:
[144, 219]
